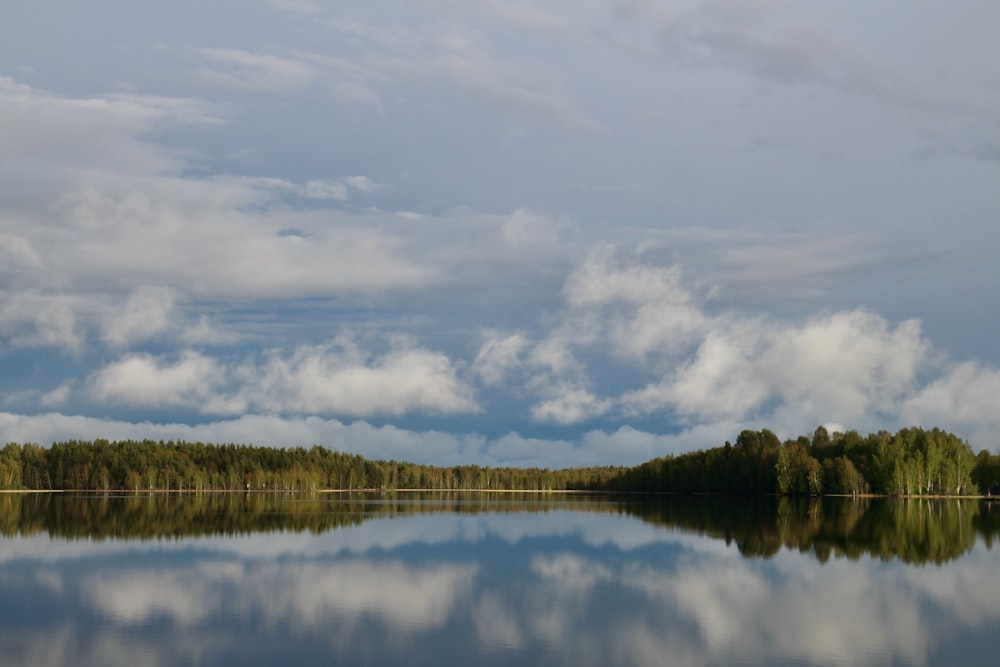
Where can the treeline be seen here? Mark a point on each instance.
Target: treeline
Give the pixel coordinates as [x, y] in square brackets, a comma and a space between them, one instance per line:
[130, 465]
[911, 462]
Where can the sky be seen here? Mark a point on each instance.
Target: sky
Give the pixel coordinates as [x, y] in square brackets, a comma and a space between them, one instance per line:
[498, 232]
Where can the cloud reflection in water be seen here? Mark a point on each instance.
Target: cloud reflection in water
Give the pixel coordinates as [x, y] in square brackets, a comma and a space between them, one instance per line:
[541, 588]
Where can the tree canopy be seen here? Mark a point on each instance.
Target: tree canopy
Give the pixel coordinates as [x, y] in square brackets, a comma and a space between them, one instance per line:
[911, 462]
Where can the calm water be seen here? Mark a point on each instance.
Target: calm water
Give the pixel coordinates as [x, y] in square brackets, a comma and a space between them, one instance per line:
[465, 580]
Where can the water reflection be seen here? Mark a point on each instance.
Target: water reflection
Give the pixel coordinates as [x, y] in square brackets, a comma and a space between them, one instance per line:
[458, 580]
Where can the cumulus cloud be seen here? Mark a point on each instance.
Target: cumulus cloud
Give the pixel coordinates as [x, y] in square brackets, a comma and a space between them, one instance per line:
[341, 379]
[145, 314]
[711, 366]
[648, 306]
[33, 320]
[846, 366]
[148, 381]
[497, 356]
[571, 405]
[335, 379]
[963, 399]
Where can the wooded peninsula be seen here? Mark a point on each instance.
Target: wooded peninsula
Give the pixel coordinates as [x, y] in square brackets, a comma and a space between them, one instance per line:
[911, 462]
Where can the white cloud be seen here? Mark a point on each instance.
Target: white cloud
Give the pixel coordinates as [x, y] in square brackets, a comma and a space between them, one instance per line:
[717, 383]
[148, 381]
[32, 320]
[46, 136]
[852, 367]
[362, 183]
[144, 315]
[497, 357]
[963, 398]
[104, 210]
[648, 306]
[340, 379]
[570, 406]
[57, 396]
[335, 379]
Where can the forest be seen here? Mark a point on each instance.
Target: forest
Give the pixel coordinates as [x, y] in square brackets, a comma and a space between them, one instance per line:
[911, 462]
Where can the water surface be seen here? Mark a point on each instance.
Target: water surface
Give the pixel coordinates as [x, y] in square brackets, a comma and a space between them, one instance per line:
[495, 580]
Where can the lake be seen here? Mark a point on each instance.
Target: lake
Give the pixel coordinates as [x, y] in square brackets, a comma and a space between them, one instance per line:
[496, 580]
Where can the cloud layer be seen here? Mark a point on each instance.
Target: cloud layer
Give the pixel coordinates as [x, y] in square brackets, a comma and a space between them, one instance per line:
[555, 232]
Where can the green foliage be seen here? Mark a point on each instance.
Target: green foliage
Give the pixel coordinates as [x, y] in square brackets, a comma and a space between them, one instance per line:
[912, 462]
[130, 465]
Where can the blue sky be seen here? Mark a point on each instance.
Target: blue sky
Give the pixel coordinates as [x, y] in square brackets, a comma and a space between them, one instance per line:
[545, 233]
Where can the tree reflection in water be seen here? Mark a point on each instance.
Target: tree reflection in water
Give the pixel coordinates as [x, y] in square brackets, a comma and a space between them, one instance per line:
[449, 579]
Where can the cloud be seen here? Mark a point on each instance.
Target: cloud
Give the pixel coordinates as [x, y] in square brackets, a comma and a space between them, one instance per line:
[47, 136]
[318, 189]
[649, 306]
[466, 60]
[850, 367]
[345, 80]
[341, 379]
[148, 381]
[296, 6]
[419, 172]
[570, 406]
[497, 356]
[186, 236]
[334, 379]
[525, 228]
[847, 366]
[109, 212]
[145, 314]
[774, 41]
[962, 398]
[625, 446]
[57, 396]
[245, 71]
[33, 320]
[18, 251]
